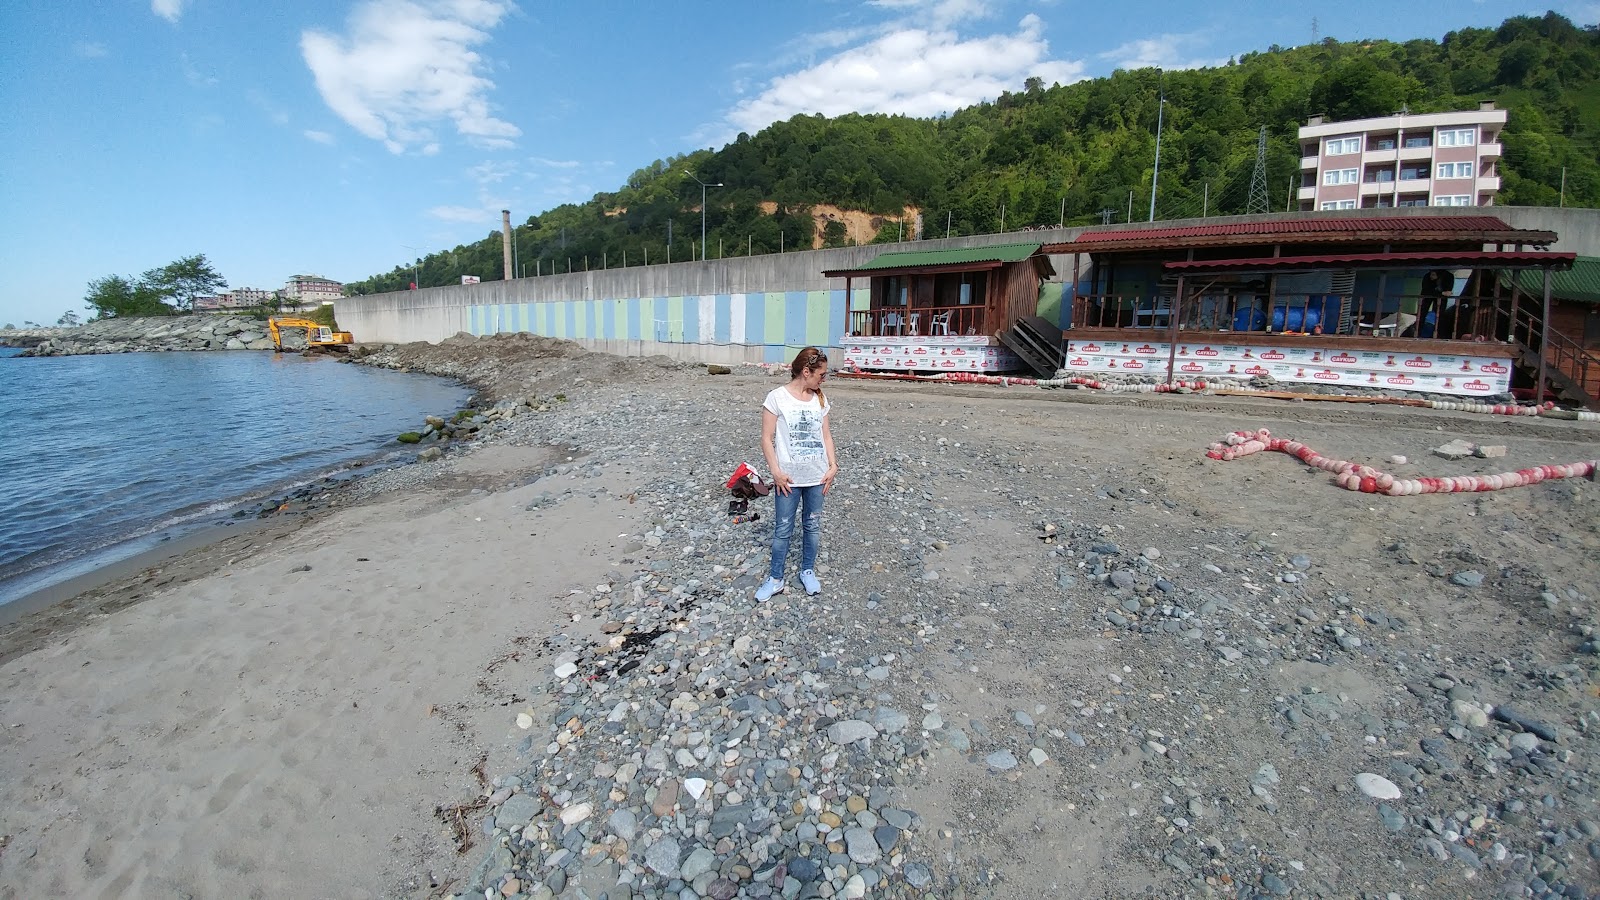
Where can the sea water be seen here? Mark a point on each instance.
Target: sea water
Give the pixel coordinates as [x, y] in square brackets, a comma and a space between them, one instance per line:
[102, 456]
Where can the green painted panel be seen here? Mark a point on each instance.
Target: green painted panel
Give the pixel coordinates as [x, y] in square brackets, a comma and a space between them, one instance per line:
[560, 322]
[861, 298]
[647, 319]
[817, 317]
[674, 317]
[774, 319]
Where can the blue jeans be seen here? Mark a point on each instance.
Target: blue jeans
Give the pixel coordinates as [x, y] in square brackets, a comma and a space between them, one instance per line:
[784, 506]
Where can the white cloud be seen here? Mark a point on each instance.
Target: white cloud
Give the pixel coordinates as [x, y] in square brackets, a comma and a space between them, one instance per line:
[940, 12]
[171, 10]
[914, 71]
[1164, 51]
[89, 49]
[405, 65]
[321, 137]
[556, 163]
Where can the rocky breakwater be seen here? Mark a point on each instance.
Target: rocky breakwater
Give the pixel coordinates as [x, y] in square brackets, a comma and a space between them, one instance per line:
[164, 333]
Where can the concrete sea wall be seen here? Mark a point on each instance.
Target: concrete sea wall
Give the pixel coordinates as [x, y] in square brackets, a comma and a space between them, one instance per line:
[750, 309]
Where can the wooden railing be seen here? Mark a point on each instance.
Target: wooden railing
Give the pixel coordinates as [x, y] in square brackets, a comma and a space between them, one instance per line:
[1466, 320]
[1561, 354]
[921, 321]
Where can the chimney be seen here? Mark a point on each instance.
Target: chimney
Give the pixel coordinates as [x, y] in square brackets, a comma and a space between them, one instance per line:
[1485, 105]
[1314, 120]
[505, 241]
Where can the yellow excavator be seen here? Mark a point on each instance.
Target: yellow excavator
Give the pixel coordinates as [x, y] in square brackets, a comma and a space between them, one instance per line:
[318, 336]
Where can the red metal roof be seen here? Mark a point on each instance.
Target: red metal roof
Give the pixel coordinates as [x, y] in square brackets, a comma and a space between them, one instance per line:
[1303, 226]
[1527, 259]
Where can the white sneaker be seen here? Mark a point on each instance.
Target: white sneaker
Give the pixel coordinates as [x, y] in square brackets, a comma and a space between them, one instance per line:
[768, 588]
[808, 580]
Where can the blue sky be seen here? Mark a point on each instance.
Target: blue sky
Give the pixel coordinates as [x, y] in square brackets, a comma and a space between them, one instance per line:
[340, 138]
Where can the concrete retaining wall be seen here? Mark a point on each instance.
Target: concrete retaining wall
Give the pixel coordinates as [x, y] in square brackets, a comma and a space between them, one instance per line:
[748, 309]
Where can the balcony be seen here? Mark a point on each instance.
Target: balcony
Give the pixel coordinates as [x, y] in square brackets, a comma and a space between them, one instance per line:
[1377, 188]
[1488, 183]
[1379, 156]
[1309, 162]
[1412, 153]
[1495, 150]
[1307, 193]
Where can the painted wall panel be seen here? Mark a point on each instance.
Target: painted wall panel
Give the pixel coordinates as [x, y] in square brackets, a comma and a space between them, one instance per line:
[707, 319]
[691, 320]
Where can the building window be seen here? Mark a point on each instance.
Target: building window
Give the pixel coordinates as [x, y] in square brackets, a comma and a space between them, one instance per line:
[1339, 176]
[1340, 146]
[1380, 176]
[1458, 137]
[1338, 204]
[1453, 200]
[1383, 144]
[1455, 170]
[1420, 201]
[1419, 140]
[1414, 173]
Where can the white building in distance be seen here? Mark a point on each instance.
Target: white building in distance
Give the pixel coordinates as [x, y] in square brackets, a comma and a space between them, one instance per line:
[1435, 159]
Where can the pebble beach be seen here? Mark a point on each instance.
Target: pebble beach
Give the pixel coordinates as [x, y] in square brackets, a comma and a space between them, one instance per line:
[1058, 653]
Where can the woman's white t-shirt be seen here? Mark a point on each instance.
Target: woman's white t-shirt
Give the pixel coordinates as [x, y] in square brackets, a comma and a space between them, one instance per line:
[801, 453]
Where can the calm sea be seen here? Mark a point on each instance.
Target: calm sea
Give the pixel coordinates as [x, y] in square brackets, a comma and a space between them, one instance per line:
[103, 456]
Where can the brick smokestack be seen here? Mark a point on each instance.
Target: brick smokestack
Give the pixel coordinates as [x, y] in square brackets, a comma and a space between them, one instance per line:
[505, 241]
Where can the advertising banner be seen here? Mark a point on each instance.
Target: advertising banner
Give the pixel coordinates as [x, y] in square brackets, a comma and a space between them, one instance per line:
[956, 353]
[1427, 373]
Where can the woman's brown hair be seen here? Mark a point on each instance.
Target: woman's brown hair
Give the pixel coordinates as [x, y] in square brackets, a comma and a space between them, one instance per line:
[807, 359]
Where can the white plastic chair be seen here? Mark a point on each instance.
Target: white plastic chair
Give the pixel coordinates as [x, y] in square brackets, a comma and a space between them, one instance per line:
[939, 324]
[915, 319]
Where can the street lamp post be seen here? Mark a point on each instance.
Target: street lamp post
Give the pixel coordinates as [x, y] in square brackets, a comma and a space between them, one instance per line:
[416, 268]
[703, 187]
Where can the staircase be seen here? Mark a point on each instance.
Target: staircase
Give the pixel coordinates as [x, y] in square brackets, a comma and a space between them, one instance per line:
[1572, 370]
[1037, 343]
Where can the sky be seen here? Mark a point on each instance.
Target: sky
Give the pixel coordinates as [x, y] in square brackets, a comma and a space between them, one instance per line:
[344, 137]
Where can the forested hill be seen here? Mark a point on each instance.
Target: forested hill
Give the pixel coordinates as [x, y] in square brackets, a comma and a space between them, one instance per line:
[1082, 147]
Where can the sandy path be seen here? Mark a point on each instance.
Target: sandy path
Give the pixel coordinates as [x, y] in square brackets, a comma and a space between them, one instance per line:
[271, 733]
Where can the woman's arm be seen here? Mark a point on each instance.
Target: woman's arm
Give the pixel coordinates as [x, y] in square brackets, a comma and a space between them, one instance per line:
[833, 463]
[769, 449]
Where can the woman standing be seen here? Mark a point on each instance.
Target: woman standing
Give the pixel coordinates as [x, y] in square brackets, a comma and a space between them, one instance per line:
[798, 445]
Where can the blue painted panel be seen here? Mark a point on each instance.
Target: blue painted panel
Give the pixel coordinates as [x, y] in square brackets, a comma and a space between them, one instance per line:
[571, 314]
[836, 318]
[755, 317]
[691, 319]
[773, 353]
[609, 325]
[722, 329]
[794, 318]
[633, 319]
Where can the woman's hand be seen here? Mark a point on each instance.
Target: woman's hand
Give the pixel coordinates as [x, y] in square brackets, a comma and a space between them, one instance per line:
[827, 480]
[780, 481]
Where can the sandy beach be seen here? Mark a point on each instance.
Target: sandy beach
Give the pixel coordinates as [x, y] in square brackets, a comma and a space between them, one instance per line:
[285, 714]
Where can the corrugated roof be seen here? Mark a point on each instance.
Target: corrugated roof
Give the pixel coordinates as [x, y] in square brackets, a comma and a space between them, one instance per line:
[1304, 226]
[996, 253]
[1526, 259]
[1580, 283]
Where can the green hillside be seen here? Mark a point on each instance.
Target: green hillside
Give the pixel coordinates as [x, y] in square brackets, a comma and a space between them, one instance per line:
[1081, 148]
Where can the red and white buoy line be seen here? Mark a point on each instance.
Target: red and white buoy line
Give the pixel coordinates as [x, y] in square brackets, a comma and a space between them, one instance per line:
[1354, 477]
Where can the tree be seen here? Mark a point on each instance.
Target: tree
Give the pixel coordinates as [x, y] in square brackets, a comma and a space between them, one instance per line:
[117, 297]
[69, 319]
[182, 280]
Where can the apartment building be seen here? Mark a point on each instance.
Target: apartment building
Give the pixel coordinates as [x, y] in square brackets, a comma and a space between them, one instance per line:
[309, 291]
[1436, 159]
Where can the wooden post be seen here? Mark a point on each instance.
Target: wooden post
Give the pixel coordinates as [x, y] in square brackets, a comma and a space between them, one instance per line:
[849, 304]
[1544, 340]
[1173, 316]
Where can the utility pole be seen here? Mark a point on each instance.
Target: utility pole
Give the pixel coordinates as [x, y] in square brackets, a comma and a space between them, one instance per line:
[1563, 187]
[1205, 201]
[947, 218]
[1061, 222]
[1130, 207]
[1288, 200]
[669, 240]
[1002, 218]
[1161, 109]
